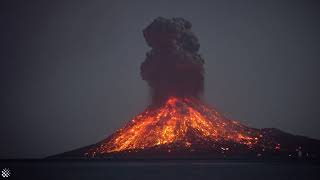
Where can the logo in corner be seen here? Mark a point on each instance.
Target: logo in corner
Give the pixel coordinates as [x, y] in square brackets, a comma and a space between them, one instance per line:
[5, 173]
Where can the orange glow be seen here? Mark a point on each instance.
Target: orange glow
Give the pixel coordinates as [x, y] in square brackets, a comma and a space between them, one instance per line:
[171, 122]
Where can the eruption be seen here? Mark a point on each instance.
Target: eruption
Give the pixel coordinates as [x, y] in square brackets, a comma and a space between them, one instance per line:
[178, 122]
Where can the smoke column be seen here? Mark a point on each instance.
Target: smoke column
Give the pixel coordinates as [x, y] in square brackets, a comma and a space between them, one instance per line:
[173, 66]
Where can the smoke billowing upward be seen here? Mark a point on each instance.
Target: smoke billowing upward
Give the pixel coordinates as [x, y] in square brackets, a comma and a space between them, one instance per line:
[172, 67]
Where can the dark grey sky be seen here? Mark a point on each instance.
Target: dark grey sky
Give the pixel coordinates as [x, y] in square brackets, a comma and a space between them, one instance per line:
[70, 70]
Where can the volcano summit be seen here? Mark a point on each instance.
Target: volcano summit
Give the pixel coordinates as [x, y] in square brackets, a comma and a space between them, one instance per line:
[178, 124]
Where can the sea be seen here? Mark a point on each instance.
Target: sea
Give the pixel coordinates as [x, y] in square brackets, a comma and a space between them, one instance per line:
[159, 170]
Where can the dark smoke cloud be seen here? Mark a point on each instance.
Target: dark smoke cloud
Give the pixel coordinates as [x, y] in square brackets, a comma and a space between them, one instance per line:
[172, 67]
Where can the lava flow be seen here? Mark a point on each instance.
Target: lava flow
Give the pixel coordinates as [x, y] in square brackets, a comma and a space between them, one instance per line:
[170, 124]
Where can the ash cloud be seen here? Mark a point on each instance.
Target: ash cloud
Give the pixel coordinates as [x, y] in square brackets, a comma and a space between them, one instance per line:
[173, 66]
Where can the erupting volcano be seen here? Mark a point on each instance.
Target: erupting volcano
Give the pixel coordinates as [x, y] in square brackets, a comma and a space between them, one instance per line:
[184, 122]
[179, 123]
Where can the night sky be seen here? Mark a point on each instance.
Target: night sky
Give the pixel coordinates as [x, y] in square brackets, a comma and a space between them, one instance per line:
[70, 70]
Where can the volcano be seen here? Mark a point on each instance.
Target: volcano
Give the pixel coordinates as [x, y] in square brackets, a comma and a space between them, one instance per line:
[178, 123]
[181, 123]
[189, 128]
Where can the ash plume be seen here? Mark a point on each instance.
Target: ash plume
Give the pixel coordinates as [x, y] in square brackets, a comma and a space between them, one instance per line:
[173, 66]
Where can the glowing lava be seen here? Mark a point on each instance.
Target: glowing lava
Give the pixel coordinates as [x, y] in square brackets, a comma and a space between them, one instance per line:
[171, 123]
